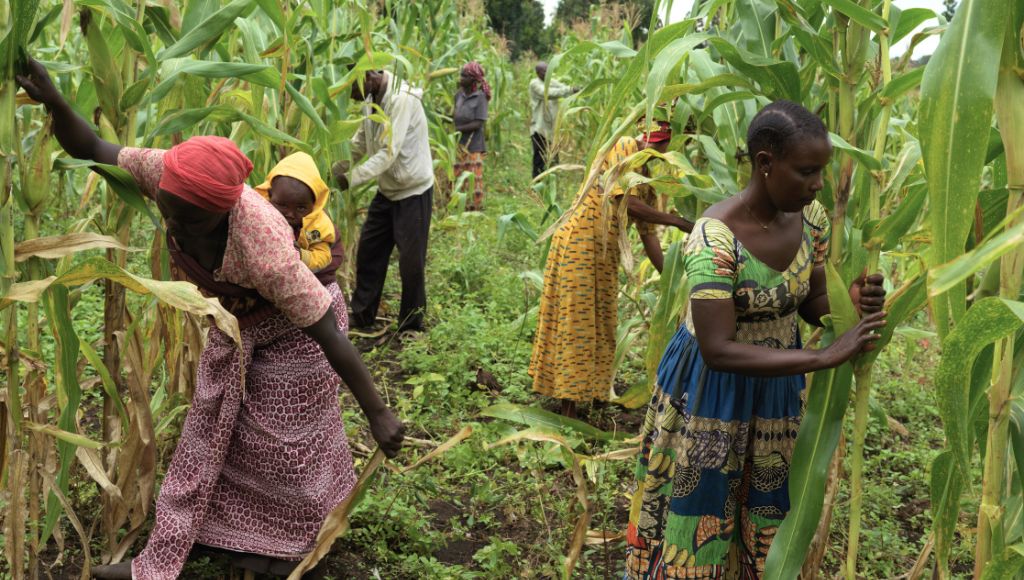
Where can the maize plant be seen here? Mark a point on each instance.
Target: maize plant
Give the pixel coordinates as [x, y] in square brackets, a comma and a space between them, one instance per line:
[902, 197]
[926, 184]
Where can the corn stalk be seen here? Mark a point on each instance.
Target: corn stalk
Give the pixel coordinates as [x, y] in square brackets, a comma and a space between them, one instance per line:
[957, 96]
[1010, 120]
[863, 369]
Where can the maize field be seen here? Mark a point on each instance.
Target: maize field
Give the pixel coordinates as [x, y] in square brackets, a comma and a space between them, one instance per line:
[909, 461]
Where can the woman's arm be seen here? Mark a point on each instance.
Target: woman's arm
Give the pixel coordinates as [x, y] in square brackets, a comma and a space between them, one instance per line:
[652, 247]
[469, 126]
[72, 131]
[639, 210]
[387, 430]
[714, 323]
[816, 304]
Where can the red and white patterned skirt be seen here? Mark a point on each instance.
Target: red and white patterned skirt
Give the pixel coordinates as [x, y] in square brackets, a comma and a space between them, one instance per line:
[258, 473]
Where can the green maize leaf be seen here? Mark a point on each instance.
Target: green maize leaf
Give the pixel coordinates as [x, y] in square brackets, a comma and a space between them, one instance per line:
[858, 14]
[887, 233]
[1017, 433]
[946, 487]
[722, 80]
[223, 114]
[190, 117]
[819, 47]
[134, 93]
[43, 23]
[105, 70]
[126, 188]
[519, 220]
[757, 25]
[908, 160]
[134, 33]
[909, 20]
[75, 439]
[717, 101]
[207, 31]
[537, 417]
[23, 17]
[945, 277]
[272, 8]
[667, 63]
[778, 79]
[624, 338]
[816, 442]
[258, 73]
[865, 158]
[672, 301]
[105, 379]
[843, 312]
[69, 391]
[987, 321]
[305, 106]
[954, 125]
[323, 95]
[159, 19]
[1005, 565]
[903, 84]
[630, 79]
[197, 11]
[616, 48]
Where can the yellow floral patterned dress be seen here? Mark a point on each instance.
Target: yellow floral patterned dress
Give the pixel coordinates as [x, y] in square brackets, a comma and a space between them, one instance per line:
[574, 348]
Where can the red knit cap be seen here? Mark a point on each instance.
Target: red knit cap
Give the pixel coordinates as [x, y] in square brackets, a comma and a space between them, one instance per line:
[208, 172]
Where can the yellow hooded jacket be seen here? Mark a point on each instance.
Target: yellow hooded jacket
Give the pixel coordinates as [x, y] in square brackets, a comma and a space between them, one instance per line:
[317, 233]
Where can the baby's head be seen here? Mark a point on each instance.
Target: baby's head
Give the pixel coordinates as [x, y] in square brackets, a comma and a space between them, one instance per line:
[292, 198]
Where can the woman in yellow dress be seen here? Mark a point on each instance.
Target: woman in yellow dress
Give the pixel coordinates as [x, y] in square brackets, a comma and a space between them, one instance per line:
[574, 347]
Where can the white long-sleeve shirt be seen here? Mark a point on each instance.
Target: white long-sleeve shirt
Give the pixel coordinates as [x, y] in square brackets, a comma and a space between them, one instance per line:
[545, 107]
[398, 158]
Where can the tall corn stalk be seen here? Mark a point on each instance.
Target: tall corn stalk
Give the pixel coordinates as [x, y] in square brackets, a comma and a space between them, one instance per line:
[864, 368]
[17, 19]
[1010, 120]
[958, 91]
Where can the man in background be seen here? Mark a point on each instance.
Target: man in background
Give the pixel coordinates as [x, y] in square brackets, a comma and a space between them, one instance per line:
[398, 157]
[544, 114]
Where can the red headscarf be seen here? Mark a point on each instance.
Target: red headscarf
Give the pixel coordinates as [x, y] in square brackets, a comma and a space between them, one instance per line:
[473, 70]
[208, 172]
[663, 133]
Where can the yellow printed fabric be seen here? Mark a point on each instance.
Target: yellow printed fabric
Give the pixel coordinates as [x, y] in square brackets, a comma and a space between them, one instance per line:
[574, 348]
[317, 233]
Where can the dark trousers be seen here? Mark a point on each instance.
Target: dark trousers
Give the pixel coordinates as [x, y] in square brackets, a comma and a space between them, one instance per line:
[406, 224]
[540, 153]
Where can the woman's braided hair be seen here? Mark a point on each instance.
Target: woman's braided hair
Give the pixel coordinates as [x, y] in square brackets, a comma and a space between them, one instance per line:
[776, 126]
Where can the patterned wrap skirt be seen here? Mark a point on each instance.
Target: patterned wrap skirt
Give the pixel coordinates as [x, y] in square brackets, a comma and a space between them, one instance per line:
[713, 472]
[257, 472]
[473, 163]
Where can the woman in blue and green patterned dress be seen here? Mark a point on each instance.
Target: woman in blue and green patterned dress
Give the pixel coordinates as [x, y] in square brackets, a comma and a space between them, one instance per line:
[719, 432]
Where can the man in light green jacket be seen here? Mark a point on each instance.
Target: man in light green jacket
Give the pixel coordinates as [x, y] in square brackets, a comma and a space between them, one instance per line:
[544, 105]
[398, 157]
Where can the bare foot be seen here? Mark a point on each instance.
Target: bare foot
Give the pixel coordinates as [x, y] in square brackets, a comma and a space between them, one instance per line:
[119, 571]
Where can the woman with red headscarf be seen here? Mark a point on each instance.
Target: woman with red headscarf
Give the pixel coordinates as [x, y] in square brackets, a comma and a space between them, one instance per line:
[252, 475]
[469, 117]
[574, 348]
